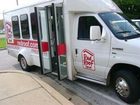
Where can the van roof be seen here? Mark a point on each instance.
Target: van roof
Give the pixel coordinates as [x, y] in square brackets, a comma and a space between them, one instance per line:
[95, 6]
[33, 3]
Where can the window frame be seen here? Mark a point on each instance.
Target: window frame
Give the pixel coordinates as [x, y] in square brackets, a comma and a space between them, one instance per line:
[88, 39]
[18, 27]
[32, 27]
[27, 25]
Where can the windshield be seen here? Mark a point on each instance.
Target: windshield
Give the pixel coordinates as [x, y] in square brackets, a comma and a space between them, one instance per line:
[120, 25]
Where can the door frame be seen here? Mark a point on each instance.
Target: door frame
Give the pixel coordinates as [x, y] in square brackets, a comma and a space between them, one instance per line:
[39, 39]
[54, 14]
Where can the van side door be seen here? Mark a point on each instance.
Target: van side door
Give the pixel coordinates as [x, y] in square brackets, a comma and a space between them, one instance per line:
[91, 57]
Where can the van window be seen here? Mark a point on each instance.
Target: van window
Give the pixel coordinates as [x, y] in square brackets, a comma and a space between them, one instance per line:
[15, 25]
[34, 25]
[84, 26]
[24, 26]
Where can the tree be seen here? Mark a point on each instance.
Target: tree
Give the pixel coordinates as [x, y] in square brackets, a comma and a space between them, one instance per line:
[130, 7]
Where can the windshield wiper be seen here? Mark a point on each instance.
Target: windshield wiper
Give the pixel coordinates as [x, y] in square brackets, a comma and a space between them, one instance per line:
[132, 36]
[123, 32]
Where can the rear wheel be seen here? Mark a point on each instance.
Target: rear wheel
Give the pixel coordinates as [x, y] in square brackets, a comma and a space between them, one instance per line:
[23, 64]
[127, 86]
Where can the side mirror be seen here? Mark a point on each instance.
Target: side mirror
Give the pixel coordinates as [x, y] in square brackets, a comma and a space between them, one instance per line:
[95, 33]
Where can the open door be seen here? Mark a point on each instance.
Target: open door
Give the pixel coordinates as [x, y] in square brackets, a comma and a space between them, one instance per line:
[61, 46]
[51, 23]
[43, 40]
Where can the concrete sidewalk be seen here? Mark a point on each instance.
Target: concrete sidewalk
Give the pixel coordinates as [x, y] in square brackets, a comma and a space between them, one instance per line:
[21, 88]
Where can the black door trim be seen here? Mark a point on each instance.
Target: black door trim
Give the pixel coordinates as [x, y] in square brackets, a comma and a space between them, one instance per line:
[39, 42]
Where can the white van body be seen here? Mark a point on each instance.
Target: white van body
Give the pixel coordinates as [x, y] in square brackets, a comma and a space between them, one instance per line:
[94, 58]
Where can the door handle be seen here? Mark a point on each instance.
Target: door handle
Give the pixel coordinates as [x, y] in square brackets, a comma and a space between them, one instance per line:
[76, 51]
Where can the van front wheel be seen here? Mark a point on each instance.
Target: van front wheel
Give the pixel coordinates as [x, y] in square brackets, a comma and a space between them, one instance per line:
[23, 64]
[126, 86]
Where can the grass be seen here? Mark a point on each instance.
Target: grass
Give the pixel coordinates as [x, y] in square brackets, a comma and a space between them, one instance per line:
[2, 43]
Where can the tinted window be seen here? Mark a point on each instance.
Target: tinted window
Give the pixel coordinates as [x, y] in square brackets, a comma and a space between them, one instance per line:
[84, 26]
[60, 24]
[34, 25]
[24, 26]
[15, 25]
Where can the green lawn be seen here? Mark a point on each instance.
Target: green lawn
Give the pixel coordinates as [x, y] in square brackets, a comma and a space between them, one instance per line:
[2, 43]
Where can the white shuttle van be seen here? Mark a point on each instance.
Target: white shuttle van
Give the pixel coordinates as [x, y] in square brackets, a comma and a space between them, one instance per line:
[87, 39]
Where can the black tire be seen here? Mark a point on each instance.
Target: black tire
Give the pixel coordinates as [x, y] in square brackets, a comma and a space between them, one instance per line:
[127, 79]
[23, 64]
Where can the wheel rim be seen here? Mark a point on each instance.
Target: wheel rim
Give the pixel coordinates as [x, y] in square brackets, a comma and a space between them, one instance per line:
[122, 87]
[23, 63]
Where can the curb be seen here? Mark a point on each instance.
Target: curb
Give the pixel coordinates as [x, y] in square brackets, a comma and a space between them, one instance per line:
[55, 94]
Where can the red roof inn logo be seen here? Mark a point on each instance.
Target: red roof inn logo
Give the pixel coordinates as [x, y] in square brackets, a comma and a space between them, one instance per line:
[8, 29]
[88, 60]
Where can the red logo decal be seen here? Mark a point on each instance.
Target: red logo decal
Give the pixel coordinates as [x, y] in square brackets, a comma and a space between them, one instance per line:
[8, 29]
[88, 60]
